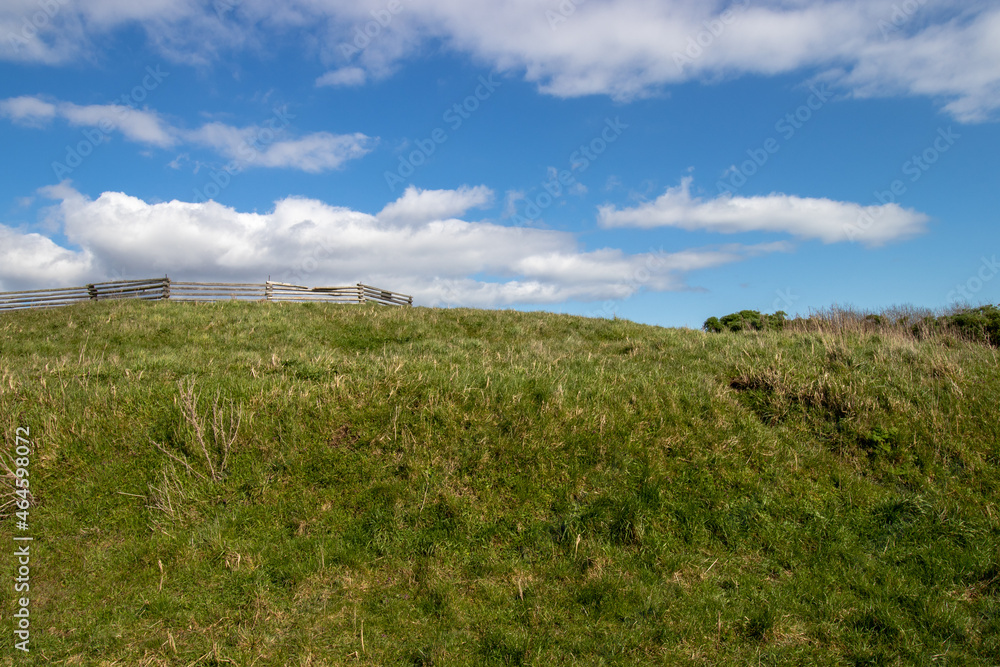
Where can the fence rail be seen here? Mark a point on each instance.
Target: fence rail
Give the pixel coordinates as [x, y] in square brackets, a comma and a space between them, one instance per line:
[161, 289]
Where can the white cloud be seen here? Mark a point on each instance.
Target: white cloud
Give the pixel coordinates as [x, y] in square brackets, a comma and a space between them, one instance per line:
[29, 111]
[228, 140]
[34, 261]
[345, 76]
[141, 126]
[266, 145]
[404, 248]
[511, 200]
[417, 206]
[179, 161]
[824, 219]
[623, 48]
[956, 61]
[316, 152]
[68, 31]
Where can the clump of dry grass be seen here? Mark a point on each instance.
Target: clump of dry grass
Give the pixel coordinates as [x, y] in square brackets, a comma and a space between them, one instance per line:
[9, 488]
[225, 425]
[899, 321]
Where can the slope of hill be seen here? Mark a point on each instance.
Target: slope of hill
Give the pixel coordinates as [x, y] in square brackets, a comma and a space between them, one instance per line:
[305, 484]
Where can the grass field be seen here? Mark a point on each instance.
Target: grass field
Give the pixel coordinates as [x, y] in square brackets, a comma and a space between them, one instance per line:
[305, 484]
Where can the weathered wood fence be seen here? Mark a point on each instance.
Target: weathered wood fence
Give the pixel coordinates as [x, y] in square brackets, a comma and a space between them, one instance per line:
[157, 289]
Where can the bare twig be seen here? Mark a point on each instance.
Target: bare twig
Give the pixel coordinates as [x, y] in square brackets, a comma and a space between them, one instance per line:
[189, 408]
[224, 438]
[178, 459]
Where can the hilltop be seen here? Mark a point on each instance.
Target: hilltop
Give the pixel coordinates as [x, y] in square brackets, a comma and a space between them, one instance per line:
[276, 484]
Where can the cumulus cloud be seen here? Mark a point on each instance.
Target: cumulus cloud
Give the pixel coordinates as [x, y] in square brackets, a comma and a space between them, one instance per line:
[266, 145]
[34, 261]
[824, 219]
[415, 245]
[623, 48]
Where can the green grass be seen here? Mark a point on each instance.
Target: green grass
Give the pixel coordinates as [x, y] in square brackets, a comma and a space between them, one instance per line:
[501, 488]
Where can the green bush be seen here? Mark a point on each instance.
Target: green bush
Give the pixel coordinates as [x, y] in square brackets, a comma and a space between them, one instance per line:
[981, 324]
[746, 320]
[712, 325]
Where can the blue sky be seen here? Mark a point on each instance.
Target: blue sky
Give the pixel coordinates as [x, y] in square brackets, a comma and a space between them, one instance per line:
[662, 162]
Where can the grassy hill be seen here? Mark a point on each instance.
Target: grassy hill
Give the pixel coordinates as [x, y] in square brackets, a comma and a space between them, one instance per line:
[300, 484]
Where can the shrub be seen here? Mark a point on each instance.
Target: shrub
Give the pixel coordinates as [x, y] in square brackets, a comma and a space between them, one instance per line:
[746, 320]
[982, 324]
[712, 325]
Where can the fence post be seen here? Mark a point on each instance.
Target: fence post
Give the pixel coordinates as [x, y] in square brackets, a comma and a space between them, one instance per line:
[268, 291]
[166, 288]
[361, 293]
[92, 291]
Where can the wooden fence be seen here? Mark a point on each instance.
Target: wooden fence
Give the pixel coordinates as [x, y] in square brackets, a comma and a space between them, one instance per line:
[156, 289]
